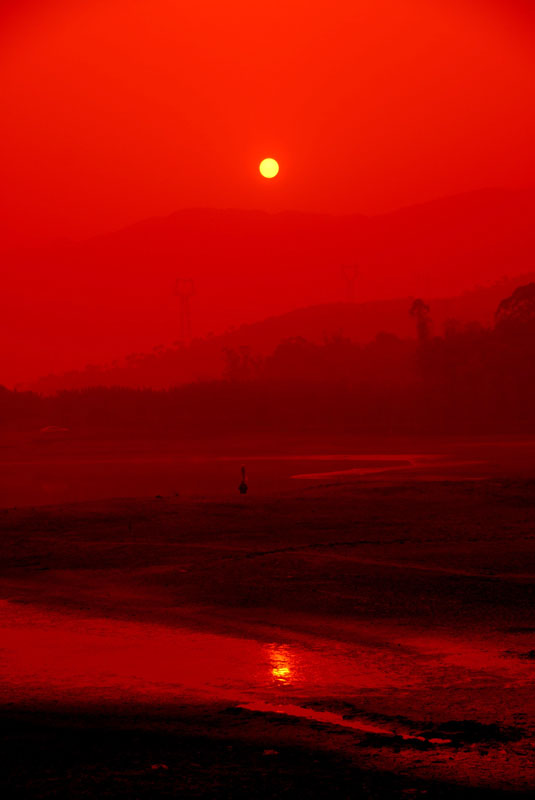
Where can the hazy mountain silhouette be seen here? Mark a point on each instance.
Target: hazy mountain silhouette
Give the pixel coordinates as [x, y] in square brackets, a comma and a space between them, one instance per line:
[205, 359]
[111, 295]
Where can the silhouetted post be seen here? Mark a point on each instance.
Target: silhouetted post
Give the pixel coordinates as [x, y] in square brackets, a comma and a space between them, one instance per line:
[243, 485]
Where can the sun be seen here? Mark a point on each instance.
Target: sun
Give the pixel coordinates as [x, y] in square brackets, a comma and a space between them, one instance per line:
[268, 168]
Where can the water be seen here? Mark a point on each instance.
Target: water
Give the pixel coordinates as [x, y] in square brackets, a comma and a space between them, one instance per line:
[38, 471]
[46, 653]
[66, 659]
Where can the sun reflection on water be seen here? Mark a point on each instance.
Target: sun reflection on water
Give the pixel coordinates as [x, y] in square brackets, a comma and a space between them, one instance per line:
[282, 663]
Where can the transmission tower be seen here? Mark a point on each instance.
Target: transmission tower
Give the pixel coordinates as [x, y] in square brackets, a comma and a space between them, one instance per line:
[349, 276]
[184, 290]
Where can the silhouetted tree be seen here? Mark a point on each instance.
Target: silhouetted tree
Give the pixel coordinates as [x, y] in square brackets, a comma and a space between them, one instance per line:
[470, 380]
[420, 312]
[517, 312]
[240, 365]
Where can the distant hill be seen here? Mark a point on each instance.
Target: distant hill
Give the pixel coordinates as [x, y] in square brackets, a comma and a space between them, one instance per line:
[204, 359]
[92, 301]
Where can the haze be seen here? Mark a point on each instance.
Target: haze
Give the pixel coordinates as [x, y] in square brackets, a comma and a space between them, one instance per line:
[112, 114]
[267, 447]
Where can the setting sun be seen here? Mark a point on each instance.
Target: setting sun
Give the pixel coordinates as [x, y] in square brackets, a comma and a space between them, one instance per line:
[269, 168]
[264, 427]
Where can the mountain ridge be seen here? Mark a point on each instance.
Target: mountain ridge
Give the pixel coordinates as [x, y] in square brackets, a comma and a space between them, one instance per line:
[204, 359]
[106, 297]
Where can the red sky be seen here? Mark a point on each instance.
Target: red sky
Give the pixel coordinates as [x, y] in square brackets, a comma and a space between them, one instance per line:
[116, 110]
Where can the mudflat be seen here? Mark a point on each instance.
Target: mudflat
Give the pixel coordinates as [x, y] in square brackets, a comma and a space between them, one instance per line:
[340, 638]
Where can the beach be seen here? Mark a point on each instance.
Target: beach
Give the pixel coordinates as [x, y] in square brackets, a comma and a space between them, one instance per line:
[372, 630]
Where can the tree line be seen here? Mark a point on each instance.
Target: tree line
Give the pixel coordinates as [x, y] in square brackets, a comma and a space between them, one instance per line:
[467, 379]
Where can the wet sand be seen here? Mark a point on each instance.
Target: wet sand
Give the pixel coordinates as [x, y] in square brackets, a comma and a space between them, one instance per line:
[348, 637]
